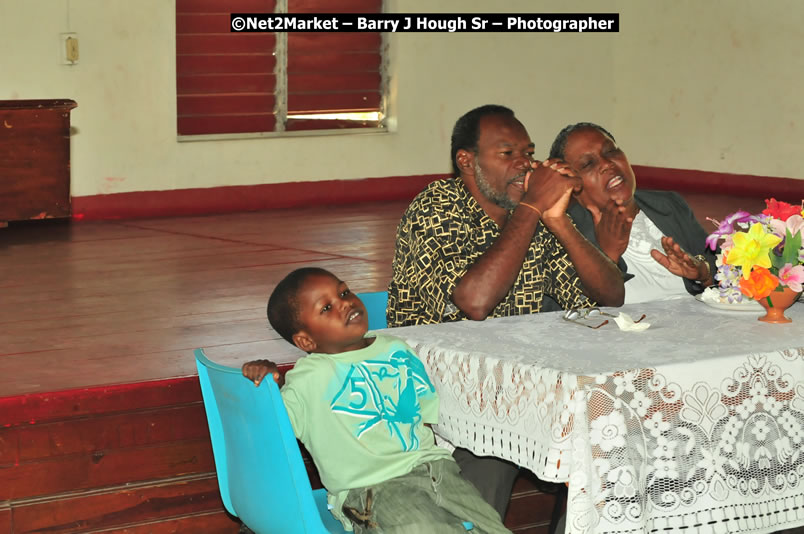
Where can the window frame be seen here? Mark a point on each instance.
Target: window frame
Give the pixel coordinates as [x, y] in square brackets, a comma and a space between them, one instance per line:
[281, 98]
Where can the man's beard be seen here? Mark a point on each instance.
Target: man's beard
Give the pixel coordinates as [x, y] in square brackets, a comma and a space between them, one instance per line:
[498, 197]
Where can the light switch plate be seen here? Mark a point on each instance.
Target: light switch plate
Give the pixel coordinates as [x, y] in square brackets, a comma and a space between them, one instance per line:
[68, 48]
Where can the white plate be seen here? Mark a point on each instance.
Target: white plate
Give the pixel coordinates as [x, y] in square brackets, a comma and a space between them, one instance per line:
[744, 306]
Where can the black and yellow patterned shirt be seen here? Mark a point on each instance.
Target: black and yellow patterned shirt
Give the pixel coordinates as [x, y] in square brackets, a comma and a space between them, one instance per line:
[441, 235]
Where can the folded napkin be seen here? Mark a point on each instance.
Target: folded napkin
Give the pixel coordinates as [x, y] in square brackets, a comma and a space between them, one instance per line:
[711, 294]
[625, 322]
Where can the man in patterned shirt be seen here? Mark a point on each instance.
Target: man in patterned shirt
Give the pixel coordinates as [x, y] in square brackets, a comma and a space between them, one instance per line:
[493, 241]
[472, 246]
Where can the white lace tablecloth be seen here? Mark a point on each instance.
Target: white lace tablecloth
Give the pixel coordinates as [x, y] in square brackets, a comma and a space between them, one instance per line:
[694, 425]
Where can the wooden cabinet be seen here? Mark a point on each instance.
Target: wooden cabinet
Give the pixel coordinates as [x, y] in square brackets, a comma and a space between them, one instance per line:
[34, 159]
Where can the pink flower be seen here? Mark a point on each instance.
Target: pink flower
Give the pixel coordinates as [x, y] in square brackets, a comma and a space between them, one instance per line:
[727, 244]
[794, 223]
[792, 277]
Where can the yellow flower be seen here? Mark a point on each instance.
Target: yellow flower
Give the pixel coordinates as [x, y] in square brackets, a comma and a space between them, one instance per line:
[752, 248]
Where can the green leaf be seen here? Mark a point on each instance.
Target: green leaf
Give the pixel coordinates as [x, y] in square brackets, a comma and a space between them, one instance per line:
[777, 261]
[791, 247]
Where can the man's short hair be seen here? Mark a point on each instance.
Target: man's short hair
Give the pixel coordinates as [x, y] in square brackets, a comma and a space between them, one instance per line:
[466, 131]
[283, 304]
[560, 142]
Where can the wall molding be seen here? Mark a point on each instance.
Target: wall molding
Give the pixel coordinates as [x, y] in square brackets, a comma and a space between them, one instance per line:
[238, 198]
[747, 185]
[228, 199]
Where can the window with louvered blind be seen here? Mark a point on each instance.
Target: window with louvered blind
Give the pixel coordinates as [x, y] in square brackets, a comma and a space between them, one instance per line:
[233, 83]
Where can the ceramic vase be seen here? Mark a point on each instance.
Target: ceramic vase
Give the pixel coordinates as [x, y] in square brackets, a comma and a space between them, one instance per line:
[779, 302]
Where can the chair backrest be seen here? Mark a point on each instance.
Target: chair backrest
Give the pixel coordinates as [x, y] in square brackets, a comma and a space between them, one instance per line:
[376, 303]
[261, 473]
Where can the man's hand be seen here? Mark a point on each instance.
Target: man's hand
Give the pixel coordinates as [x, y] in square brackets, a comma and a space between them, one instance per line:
[612, 228]
[549, 186]
[258, 369]
[680, 263]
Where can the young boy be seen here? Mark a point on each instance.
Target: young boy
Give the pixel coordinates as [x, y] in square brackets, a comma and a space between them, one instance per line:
[361, 406]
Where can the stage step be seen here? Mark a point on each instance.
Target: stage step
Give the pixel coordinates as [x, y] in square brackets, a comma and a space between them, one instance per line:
[136, 458]
[126, 458]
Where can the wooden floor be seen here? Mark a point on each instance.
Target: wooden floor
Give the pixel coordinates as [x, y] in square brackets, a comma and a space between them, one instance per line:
[99, 303]
[88, 304]
[101, 425]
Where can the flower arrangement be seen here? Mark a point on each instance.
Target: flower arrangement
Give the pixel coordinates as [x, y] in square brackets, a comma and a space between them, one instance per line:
[760, 253]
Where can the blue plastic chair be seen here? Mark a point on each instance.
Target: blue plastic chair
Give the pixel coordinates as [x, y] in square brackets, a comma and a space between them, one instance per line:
[376, 303]
[261, 473]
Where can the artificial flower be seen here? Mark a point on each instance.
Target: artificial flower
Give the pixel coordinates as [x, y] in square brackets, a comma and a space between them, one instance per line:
[780, 210]
[759, 253]
[726, 227]
[792, 277]
[728, 278]
[794, 223]
[759, 283]
[752, 248]
[728, 243]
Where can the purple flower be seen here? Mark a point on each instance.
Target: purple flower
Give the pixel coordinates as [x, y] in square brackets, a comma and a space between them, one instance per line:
[726, 227]
[728, 278]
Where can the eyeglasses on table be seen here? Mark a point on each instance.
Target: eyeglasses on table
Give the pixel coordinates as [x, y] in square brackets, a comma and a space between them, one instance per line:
[579, 315]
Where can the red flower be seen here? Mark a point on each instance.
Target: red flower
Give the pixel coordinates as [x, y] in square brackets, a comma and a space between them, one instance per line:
[780, 210]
